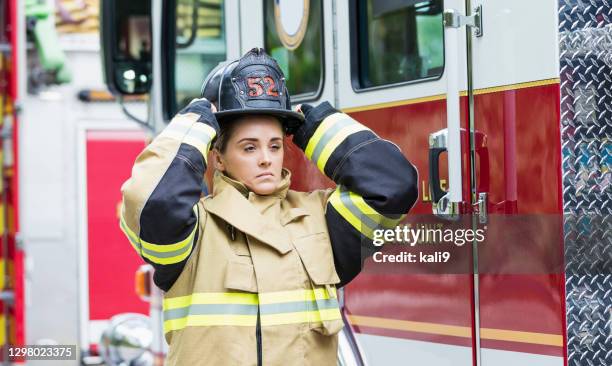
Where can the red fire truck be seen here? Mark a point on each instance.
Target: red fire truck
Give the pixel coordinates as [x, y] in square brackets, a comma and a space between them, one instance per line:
[11, 253]
[504, 107]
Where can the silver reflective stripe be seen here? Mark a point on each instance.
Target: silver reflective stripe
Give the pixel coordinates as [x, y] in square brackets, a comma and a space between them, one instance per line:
[298, 306]
[210, 309]
[243, 309]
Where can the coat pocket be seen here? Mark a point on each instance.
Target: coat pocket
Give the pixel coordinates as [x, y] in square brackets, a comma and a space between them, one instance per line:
[240, 276]
[316, 253]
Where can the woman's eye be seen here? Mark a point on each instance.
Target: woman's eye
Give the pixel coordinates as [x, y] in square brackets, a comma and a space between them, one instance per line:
[249, 148]
[275, 147]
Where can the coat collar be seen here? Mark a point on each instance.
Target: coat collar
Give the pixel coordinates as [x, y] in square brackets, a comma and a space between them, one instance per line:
[222, 182]
[230, 202]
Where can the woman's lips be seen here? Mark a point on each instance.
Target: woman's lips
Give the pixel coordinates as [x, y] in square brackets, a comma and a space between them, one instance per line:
[265, 175]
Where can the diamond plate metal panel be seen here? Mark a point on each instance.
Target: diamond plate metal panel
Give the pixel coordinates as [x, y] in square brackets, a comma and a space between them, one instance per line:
[585, 41]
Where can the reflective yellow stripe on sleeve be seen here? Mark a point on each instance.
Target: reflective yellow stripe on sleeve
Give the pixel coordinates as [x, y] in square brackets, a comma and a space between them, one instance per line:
[200, 136]
[354, 209]
[329, 135]
[185, 129]
[178, 127]
[161, 253]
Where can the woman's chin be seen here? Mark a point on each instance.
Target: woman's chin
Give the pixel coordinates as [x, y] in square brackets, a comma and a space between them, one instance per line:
[264, 188]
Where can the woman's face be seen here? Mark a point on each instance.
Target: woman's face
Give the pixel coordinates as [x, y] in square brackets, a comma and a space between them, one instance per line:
[254, 154]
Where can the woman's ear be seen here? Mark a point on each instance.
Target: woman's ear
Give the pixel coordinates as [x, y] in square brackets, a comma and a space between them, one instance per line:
[218, 160]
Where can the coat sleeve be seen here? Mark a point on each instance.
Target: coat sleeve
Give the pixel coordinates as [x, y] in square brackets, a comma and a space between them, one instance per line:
[376, 186]
[159, 212]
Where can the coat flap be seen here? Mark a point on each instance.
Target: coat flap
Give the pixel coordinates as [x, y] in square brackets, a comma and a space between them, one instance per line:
[293, 214]
[316, 254]
[234, 209]
[240, 276]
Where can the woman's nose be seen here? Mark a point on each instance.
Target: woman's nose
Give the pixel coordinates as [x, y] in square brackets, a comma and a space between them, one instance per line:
[264, 159]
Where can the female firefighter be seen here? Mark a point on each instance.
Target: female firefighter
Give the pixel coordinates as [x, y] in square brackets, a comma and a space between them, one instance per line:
[250, 272]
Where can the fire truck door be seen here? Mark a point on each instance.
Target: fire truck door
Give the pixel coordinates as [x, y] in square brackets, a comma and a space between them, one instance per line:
[426, 317]
[514, 182]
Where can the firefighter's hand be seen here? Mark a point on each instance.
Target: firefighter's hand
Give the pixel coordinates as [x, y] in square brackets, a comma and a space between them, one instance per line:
[313, 116]
[205, 110]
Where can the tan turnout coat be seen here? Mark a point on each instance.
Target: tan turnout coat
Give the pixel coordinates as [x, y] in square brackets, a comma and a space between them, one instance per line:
[268, 251]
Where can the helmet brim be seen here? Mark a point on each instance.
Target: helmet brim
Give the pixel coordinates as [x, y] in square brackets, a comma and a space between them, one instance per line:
[290, 119]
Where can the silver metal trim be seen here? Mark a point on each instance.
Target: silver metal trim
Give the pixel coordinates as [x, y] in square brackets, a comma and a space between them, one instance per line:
[156, 114]
[454, 19]
[585, 60]
[481, 208]
[335, 52]
[438, 139]
[446, 209]
[477, 19]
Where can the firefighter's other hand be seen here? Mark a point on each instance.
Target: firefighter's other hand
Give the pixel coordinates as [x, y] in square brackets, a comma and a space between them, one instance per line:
[313, 116]
[304, 108]
[203, 108]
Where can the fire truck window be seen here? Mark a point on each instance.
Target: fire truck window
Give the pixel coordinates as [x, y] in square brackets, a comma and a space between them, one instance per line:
[294, 37]
[200, 46]
[408, 33]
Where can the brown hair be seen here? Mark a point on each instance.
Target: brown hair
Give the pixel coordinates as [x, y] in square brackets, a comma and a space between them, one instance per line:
[226, 129]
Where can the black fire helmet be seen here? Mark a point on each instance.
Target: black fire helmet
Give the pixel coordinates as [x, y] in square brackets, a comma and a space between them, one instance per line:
[253, 84]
